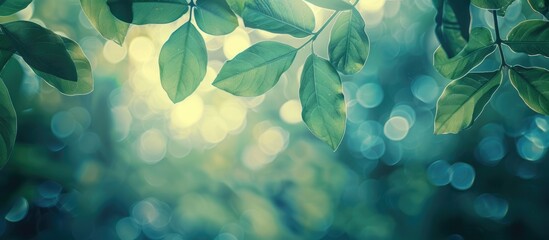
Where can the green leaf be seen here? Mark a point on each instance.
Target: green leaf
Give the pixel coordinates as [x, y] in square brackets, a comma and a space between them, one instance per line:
[321, 95]
[5, 56]
[481, 44]
[349, 45]
[215, 17]
[492, 4]
[255, 70]
[84, 85]
[148, 11]
[453, 23]
[42, 49]
[9, 7]
[237, 5]
[531, 37]
[102, 19]
[183, 62]
[463, 100]
[338, 5]
[292, 17]
[8, 124]
[532, 85]
[541, 6]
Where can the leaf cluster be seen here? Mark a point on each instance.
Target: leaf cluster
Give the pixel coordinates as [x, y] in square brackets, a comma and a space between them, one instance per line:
[462, 49]
[56, 59]
[184, 58]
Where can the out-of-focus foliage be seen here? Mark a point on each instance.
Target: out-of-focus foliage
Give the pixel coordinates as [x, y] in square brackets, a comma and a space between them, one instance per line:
[124, 162]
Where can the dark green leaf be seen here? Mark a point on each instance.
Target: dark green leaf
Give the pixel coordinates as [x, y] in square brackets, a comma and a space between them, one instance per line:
[8, 124]
[492, 4]
[339, 5]
[292, 17]
[5, 56]
[42, 49]
[183, 62]
[9, 7]
[541, 6]
[321, 95]
[84, 85]
[479, 47]
[148, 11]
[215, 17]
[237, 5]
[255, 70]
[349, 45]
[463, 101]
[453, 25]
[531, 37]
[102, 19]
[532, 85]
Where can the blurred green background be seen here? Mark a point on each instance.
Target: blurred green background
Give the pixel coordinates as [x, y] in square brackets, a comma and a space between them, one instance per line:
[126, 163]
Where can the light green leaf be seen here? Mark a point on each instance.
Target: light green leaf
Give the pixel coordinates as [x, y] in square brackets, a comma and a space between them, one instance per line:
[183, 62]
[148, 11]
[237, 5]
[42, 49]
[84, 85]
[292, 17]
[531, 37]
[215, 17]
[349, 45]
[492, 4]
[8, 124]
[463, 101]
[481, 44]
[532, 85]
[338, 5]
[541, 6]
[9, 7]
[255, 70]
[453, 21]
[321, 95]
[102, 19]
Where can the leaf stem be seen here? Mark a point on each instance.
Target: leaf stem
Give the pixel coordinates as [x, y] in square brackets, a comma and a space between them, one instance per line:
[330, 19]
[498, 40]
[191, 7]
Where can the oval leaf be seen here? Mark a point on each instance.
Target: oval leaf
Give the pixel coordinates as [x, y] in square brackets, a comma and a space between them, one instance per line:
[349, 45]
[321, 96]
[42, 49]
[102, 19]
[463, 101]
[453, 23]
[292, 17]
[148, 11]
[492, 4]
[338, 5]
[183, 62]
[532, 85]
[215, 17]
[531, 37]
[541, 6]
[8, 124]
[479, 47]
[9, 7]
[255, 70]
[84, 85]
